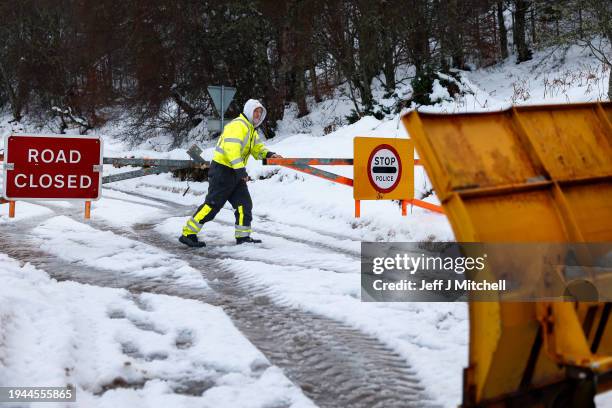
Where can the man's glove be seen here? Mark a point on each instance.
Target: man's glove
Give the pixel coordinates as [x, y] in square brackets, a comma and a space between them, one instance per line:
[272, 155]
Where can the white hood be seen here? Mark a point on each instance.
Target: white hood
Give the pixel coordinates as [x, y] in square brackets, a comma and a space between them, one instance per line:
[249, 108]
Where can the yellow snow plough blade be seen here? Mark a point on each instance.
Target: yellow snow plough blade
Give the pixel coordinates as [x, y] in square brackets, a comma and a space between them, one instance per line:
[527, 174]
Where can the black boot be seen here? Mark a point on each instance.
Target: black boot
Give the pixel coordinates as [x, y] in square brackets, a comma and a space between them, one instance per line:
[243, 240]
[191, 241]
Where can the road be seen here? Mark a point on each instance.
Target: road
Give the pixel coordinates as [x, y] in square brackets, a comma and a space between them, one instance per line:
[335, 365]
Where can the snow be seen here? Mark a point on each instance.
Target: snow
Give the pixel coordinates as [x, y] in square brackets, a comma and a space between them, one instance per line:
[145, 350]
[309, 259]
[119, 213]
[570, 76]
[23, 211]
[423, 333]
[85, 246]
[329, 285]
[439, 93]
[551, 77]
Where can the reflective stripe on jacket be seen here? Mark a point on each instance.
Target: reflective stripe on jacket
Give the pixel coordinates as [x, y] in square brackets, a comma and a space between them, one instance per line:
[238, 141]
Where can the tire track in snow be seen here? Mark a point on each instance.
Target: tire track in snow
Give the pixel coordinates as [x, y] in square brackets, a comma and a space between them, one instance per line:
[212, 252]
[187, 211]
[171, 203]
[17, 244]
[333, 363]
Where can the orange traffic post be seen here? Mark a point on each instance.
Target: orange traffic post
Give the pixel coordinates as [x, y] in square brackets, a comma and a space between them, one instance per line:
[404, 207]
[11, 209]
[87, 210]
[357, 208]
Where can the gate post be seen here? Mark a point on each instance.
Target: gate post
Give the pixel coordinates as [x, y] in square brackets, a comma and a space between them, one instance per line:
[87, 210]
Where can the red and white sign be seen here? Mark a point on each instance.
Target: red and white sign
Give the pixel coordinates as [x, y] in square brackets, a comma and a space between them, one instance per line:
[52, 167]
[384, 168]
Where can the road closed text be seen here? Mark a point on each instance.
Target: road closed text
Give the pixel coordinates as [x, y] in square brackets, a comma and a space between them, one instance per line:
[71, 181]
[37, 157]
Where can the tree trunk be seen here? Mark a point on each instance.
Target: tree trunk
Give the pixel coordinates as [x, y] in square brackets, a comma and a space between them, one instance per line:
[610, 84]
[300, 92]
[388, 62]
[368, 58]
[418, 38]
[533, 29]
[524, 53]
[387, 31]
[15, 102]
[315, 83]
[503, 31]
[284, 58]
[365, 90]
[354, 98]
[456, 35]
[580, 32]
[513, 32]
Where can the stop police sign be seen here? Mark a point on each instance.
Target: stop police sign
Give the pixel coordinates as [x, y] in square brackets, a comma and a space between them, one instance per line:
[383, 169]
[52, 167]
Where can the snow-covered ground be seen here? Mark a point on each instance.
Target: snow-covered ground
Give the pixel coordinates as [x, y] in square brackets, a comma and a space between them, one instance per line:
[121, 348]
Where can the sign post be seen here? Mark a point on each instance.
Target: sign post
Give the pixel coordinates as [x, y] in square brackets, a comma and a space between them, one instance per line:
[384, 170]
[52, 168]
[221, 96]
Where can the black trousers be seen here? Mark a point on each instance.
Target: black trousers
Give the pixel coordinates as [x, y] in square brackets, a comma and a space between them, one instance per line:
[223, 185]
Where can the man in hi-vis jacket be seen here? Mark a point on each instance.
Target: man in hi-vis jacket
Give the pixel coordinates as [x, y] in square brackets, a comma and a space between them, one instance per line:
[227, 176]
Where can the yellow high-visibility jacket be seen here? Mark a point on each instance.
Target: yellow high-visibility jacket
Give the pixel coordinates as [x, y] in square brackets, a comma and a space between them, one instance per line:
[239, 140]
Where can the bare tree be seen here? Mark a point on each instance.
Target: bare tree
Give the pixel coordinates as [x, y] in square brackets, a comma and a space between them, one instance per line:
[520, 12]
[503, 32]
[597, 36]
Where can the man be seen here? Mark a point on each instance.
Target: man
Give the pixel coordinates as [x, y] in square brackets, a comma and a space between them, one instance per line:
[227, 176]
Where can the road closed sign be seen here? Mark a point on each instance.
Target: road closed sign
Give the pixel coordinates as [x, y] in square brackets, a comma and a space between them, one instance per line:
[52, 167]
[384, 169]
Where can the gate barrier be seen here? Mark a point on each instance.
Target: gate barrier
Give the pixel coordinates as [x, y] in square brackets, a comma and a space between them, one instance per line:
[304, 165]
[157, 166]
